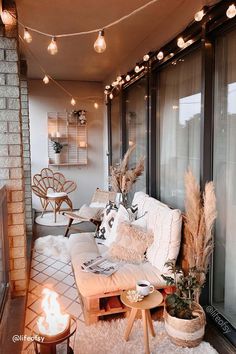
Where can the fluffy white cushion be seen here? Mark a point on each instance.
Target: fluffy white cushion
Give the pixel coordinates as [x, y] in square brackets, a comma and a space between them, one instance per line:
[123, 215]
[166, 225]
[88, 212]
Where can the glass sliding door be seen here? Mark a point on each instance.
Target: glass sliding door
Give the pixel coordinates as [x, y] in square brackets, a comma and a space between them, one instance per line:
[136, 126]
[115, 130]
[179, 115]
[224, 278]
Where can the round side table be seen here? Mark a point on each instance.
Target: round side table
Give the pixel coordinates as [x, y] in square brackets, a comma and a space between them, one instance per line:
[152, 300]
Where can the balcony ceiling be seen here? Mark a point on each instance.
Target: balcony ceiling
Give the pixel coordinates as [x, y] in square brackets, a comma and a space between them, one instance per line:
[76, 58]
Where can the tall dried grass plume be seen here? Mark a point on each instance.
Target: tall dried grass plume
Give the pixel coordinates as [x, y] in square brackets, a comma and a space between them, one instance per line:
[200, 215]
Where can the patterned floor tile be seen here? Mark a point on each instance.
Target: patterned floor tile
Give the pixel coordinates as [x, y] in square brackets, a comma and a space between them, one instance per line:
[71, 293]
[69, 280]
[59, 275]
[61, 288]
[40, 266]
[49, 271]
[49, 261]
[74, 309]
[66, 269]
[40, 278]
[40, 258]
[58, 265]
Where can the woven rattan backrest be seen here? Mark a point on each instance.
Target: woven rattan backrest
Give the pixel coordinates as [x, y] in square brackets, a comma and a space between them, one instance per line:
[101, 196]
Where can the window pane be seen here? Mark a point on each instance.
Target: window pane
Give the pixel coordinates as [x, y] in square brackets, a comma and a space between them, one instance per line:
[179, 114]
[224, 280]
[136, 118]
[115, 130]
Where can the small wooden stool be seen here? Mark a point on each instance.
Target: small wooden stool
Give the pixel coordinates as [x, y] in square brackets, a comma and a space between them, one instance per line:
[152, 300]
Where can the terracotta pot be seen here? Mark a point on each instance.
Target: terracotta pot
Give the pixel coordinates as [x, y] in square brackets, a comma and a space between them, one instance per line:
[186, 333]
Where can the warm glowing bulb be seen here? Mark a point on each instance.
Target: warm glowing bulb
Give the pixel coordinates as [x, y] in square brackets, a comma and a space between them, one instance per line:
[95, 105]
[27, 36]
[231, 12]
[100, 44]
[46, 79]
[171, 55]
[160, 56]
[137, 68]
[107, 87]
[73, 102]
[52, 48]
[180, 42]
[119, 78]
[146, 57]
[127, 78]
[7, 19]
[111, 96]
[199, 15]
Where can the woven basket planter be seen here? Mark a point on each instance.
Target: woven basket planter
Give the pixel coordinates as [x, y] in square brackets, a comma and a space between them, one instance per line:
[186, 333]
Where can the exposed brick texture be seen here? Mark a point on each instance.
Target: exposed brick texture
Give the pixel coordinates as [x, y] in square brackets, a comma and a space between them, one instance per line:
[14, 143]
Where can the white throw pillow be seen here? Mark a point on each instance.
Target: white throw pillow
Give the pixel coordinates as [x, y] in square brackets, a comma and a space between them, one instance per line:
[141, 221]
[87, 212]
[97, 205]
[139, 200]
[123, 215]
[166, 225]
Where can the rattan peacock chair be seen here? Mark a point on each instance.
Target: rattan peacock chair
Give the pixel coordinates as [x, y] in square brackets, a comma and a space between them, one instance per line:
[52, 188]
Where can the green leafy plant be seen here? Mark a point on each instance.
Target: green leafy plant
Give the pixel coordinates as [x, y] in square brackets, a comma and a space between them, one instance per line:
[57, 147]
[179, 304]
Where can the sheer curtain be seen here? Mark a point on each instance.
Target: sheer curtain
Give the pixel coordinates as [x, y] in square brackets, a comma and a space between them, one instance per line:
[136, 118]
[179, 115]
[224, 282]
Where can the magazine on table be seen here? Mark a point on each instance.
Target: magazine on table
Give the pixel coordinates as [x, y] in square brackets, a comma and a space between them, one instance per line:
[100, 265]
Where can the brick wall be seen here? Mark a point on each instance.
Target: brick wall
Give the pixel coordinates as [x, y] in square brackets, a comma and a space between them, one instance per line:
[26, 153]
[11, 155]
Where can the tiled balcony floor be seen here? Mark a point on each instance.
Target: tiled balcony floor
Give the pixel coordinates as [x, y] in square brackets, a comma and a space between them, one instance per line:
[49, 272]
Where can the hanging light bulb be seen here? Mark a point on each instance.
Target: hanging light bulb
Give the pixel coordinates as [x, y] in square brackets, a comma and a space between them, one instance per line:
[231, 12]
[119, 78]
[160, 55]
[52, 48]
[107, 87]
[146, 57]
[73, 102]
[127, 78]
[171, 55]
[27, 36]
[46, 79]
[6, 17]
[199, 15]
[95, 105]
[180, 42]
[111, 96]
[137, 68]
[100, 44]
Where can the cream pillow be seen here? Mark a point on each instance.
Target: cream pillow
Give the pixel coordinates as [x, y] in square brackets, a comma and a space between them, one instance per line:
[87, 212]
[131, 243]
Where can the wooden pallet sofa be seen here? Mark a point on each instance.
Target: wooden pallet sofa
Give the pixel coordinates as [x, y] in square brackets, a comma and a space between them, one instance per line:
[100, 294]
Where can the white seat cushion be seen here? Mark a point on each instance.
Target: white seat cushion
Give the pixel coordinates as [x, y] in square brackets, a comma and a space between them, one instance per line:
[82, 247]
[56, 194]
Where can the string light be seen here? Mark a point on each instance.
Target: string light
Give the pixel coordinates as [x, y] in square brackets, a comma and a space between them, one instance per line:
[137, 69]
[6, 17]
[199, 15]
[160, 55]
[27, 36]
[107, 87]
[180, 42]
[96, 105]
[46, 79]
[146, 57]
[52, 48]
[111, 96]
[73, 102]
[100, 43]
[119, 78]
[231, 12]
[127, 78]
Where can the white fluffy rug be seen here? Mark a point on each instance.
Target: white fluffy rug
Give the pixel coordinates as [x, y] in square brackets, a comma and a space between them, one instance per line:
[48, 220]
[107, 338]
[53, 246]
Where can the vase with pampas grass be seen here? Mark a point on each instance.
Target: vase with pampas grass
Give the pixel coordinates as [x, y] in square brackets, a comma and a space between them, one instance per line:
[122, 178]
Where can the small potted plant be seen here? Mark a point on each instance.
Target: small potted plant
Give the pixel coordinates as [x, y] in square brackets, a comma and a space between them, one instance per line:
[57, 147]
[184, 318]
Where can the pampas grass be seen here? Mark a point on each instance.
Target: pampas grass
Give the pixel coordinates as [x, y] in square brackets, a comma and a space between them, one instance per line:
[122, 178]
[200, 215]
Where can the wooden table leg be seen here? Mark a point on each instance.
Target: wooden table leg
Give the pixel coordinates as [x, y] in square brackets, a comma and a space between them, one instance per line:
[130, 322]
[145, 331]
[150, 323]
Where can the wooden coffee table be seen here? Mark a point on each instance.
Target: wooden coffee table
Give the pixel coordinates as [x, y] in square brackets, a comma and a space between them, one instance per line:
[149, 302]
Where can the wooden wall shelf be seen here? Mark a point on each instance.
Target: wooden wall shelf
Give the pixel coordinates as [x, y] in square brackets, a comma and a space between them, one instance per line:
[67, 129]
